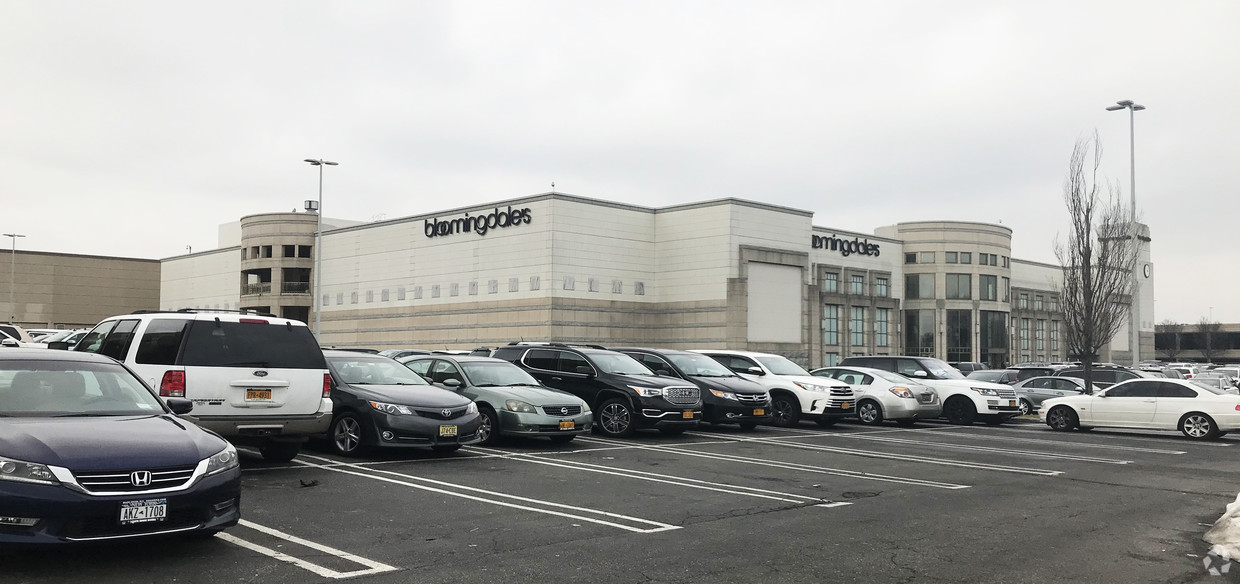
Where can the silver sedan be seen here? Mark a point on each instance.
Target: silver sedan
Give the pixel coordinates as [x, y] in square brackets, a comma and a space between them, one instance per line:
[1035, 390]
[883, 395]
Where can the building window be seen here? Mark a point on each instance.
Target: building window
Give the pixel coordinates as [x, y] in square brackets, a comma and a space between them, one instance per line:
[339, 298]
[473, 288]
[639, 288]
[830, 359]
[434, 290]
[910, 258]
[370, 296]
[1054, 335]
[1039, 334]
[514, 284]
[1024, 334]
[966, 257]
[353, 298]
[880, 287]
[1037, 303]
[454, 289]
[383, 295]
[831, 282]
[617, 287]
[881, 318]
[493, 287]
[243, 253]
[987, 287]
[918, 286]
[289, 251]
[327, 299]
[856, 285]
[1007, 289]
[1006, 262]
[1054, 304]
[417, 292]
[950, 258]
[570, 282]
[303, 251]
[535, 283]
[994, 260]
[960, 287]
[959, 335]
[400, 293]
[1024, 302]
[919, 332]
[983, 259]
[925, 257]
[266, 251]
[856, 327]
[831, 324]
[592, 284]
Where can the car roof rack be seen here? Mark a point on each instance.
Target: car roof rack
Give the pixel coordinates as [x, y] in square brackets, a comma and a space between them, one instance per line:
[557, 344]
[205, 311]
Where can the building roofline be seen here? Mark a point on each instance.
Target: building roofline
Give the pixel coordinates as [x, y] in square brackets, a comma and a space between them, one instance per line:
[83, 255]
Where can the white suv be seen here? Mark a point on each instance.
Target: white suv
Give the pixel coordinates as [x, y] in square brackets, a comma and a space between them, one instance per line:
[254, 379]
[795, 394]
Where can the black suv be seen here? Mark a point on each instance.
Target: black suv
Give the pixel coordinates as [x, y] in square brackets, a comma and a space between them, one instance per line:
[726, 397]
[624, 394]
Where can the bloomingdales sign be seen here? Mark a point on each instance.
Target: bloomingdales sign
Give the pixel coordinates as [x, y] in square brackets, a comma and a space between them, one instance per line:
[846, 247]
[479, 224]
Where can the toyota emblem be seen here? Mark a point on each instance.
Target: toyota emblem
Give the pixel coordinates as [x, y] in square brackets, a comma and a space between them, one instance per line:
[446, 412]
[140, 478]
[564, 411]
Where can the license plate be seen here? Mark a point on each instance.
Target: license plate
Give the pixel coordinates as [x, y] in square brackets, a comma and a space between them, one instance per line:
[447, 430]
[846, 405]
[567, 424]
[258, 395]
[687, 414]
[759, 412]
[144, 511]
[1011, 403]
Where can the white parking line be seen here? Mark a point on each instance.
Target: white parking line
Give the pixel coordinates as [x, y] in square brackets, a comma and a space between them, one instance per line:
[789, 465]
[1072, 443]
[412, 482]
[372, 567]
[668, 479]
[979, 448]
[1120, 433]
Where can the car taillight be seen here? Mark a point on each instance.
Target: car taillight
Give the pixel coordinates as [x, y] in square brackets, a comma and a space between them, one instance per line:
[173, 384]
[327, 385]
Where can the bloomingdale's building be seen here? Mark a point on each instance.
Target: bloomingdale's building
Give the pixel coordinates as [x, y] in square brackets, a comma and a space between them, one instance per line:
[726, 273]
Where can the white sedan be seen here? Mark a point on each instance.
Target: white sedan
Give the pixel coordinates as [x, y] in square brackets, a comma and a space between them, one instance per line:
[1198, 411]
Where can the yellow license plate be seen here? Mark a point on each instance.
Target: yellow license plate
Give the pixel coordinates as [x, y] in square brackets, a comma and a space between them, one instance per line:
[687, 414]
[258, 395]
[1011, 403]
[447, 430]
[567, 424]
[759, 412]
[846, 405]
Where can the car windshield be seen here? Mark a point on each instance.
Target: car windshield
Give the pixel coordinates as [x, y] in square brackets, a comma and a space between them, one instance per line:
[988, 375]
[51, 388]
[497, 374]
[619, 364]
[59, 336]
[940, 370]
[781, 365]
[364, 371]
[1208, 385]
[699, 365]
[889, 376]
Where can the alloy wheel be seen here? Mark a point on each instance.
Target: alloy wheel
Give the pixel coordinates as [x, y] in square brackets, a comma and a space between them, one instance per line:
[615, 418]
[348, 434]
[1197, 426]
[868, 413]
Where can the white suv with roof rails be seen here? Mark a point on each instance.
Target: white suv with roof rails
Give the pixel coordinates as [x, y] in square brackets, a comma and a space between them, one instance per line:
[253, 378]
[964, 400]
[795, 394]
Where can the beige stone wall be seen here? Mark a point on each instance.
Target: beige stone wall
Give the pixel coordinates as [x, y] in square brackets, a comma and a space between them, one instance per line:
[54, 290]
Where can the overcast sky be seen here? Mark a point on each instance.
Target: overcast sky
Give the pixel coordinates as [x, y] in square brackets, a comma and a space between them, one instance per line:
[135, 128]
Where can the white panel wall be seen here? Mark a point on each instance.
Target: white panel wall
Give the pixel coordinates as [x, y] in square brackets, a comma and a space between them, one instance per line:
[1034, 275]
[202, 280]
[774, 303]
[605, 243]
[770, 228]
[693, 253]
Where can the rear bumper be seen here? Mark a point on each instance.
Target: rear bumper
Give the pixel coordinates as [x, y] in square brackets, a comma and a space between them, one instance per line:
[265, 427]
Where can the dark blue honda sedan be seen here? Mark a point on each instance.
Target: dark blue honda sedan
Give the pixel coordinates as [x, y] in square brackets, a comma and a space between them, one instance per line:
[88, 453]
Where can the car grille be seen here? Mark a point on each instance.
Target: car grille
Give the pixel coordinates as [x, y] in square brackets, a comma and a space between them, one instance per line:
[844, 393]
[561, 410]
[180, 516]
[122, 481]
[682, 396]
[751, 398]
[925, 398]
[1006, 393]
[438, 413]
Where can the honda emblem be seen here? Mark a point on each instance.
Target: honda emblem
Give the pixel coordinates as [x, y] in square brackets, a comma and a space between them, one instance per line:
[140, 478]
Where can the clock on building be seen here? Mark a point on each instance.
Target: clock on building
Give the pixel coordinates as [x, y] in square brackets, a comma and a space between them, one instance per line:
[1146, 270]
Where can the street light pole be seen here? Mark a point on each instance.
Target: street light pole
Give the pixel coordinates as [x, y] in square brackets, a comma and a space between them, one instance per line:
[316, 298]
[12, 275]
[1135, 333]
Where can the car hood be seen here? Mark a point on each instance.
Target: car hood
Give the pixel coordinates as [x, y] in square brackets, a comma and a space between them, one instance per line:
[813, 379]
[107, 443]
[655, 380]
[422, 396]
[538, 396]
[732, 383]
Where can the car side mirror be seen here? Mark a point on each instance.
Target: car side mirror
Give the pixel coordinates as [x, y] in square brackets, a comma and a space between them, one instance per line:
[919, 373]
[452, 382]
[179, 405]
[59, 345]
[663, 372]
[755, 371]
[584, 370]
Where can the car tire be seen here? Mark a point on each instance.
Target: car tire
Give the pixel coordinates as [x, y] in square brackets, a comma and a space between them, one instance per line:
[869, 413]
[1062, 419]
[445, 448]
[748, 426]
[347, 435]
[615, 418]
[1026, 408]
[959, 410]
[488, 426]
[785, 410]
[1198, 426]
[562, 439]
[279, 451]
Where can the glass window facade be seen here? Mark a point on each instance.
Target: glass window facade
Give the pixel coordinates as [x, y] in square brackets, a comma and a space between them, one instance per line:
[950, 258]
[919, 332]
[831, 282]
[856, 327]
[966, 257]
[993, 338]
[831, 324]
[987, 287]
[882, 317]
[925, 257]
[918, 286]
[1039, 336]
[881, 286]
[959, 335]
[856, 285]
[959, 286]
[1024, 333]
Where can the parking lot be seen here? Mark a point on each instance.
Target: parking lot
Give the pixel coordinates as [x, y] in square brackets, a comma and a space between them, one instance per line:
[1017, 503]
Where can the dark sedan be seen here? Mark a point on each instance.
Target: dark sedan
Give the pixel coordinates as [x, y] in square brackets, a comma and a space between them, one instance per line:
[90, 453]
[379, 402]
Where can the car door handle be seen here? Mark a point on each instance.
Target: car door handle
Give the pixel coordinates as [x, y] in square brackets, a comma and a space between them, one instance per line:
[557, 379]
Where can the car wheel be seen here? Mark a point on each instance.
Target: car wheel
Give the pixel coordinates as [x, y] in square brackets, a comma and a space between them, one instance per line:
[445, 448]
[1198, 426]
[1026, 408]
[960, 410]
[615, 418]
[562, 439]
[785, 410]
[346, 435]
[279, 451]
[488, 427]
[1062, 419]
[908, 423]
[869, 413]
[749, 426]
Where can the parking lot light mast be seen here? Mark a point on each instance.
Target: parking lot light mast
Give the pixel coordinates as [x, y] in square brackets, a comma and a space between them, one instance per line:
[318, 249]
[1135, 321]
[12, 275]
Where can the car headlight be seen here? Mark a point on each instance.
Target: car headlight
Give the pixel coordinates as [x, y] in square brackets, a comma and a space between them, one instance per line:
[903, 392]
[472, 408]
[392, 409]
[811, 386]
[647, 391]
[223, 460]
[26, 472]
[723, 394]
[985, 391]
[516, 405]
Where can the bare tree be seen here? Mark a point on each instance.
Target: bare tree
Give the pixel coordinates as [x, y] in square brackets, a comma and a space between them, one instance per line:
[1097, 258]
[1174, 329]
[1209, 337]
